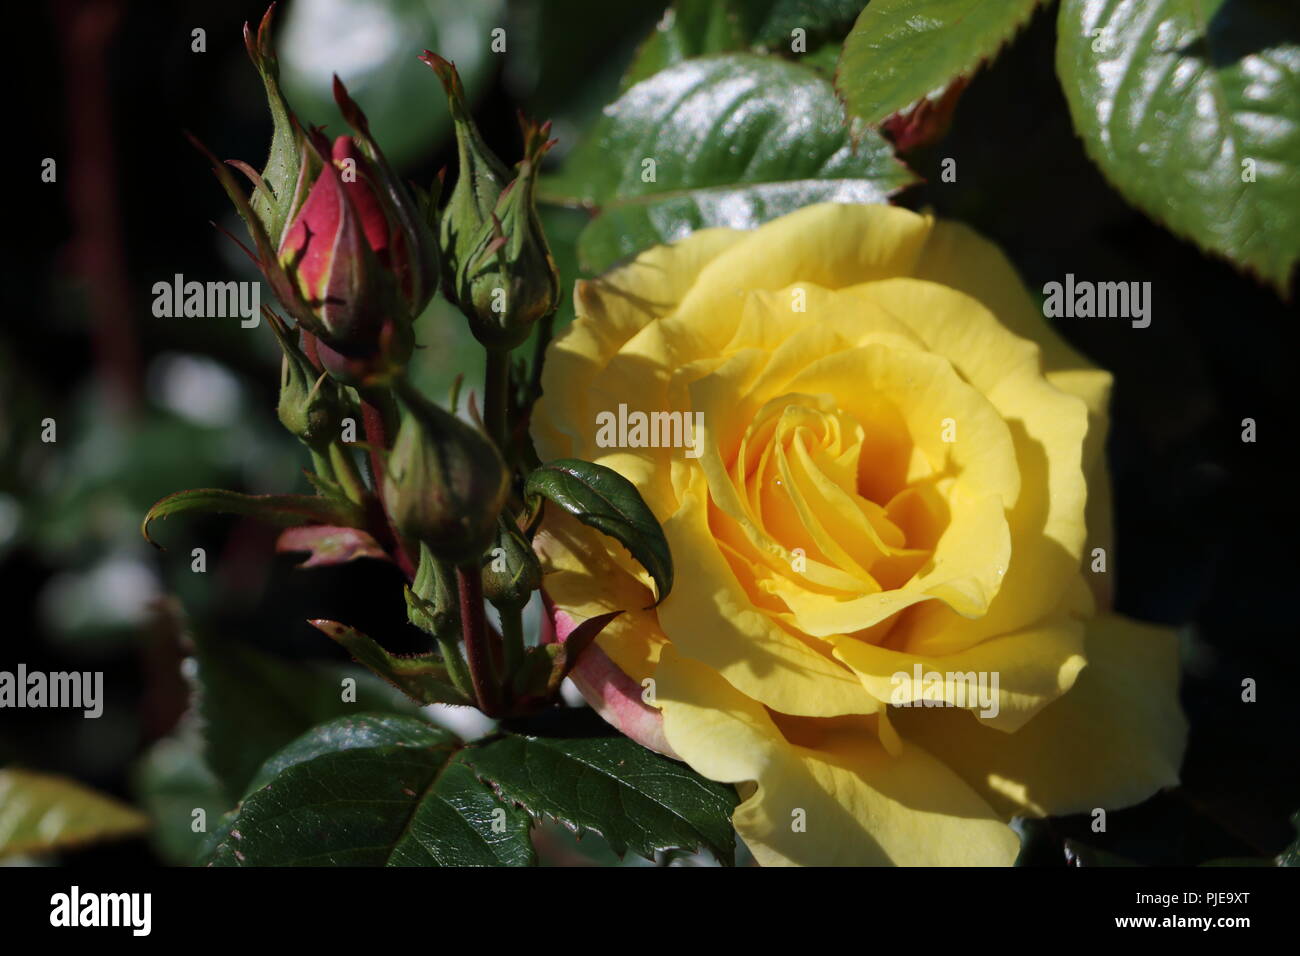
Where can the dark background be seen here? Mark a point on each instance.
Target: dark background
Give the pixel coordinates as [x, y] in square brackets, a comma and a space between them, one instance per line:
[1205, 522]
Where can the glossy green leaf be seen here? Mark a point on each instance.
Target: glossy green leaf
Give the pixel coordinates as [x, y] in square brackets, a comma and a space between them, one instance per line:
[41, 812]
[421, 677]
[374, 790]
[900, 51]
[730, 140]
[774, 21]
[691, 28]
[1192, 110]
[253, 704]
[635, 798]
[603, 499]
[281, 510]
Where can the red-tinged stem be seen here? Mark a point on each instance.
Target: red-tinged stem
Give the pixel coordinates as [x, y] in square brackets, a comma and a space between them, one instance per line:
[377, 438]
[473, 622]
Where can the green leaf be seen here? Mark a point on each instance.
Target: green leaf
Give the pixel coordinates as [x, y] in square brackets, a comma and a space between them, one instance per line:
[900, 51]
[281, 510]
[603, 499]
[421, 677]
[635, 798]
[735, 139]
[691, 28]
[1180, 102]
[374, 790]
[253, 704]
[775, 20]
[41, 812]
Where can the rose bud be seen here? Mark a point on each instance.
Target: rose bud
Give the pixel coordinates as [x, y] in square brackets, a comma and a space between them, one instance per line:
[355, 262]
[358, 252]
[509, 280]
[479, 181]
[279, 190]
[511, 571]
[336, 250]
[445, 483]
[412, 255]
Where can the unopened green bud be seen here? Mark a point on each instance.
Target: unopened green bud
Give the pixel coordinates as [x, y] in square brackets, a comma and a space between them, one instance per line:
[511, 571]
[479, 181]
[446, 482]
[510, 280]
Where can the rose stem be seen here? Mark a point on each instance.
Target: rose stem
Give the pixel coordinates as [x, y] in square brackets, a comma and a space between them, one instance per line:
[544, 331]
[512, 634]
[496, 389]
[473, 619]
[377, 438]
[345, 470]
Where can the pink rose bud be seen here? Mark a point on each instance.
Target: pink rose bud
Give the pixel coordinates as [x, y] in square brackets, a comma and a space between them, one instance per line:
[335, 249]
[357, 253]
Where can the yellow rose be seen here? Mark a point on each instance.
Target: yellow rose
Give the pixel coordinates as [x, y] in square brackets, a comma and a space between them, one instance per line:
[887, 501]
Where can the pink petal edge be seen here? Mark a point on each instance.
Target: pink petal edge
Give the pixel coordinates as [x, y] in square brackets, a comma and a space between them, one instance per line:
[611, 693]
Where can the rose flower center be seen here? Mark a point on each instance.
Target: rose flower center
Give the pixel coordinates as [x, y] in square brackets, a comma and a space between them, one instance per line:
[826, 486]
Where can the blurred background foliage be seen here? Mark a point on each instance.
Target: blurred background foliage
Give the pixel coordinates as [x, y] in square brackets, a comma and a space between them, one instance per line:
[144, 406]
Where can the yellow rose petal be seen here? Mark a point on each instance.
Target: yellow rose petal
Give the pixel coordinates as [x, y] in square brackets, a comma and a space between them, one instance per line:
[837, 799]
[709, 617]
[829, 245]
[1114, 739]
[1033, 667]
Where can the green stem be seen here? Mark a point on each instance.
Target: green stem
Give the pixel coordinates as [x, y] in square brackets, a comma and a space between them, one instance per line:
[545, 329]
[456, 669]
[496, 398]
[345, 472]
[478, 652]
[321, 464]
[512, 635]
